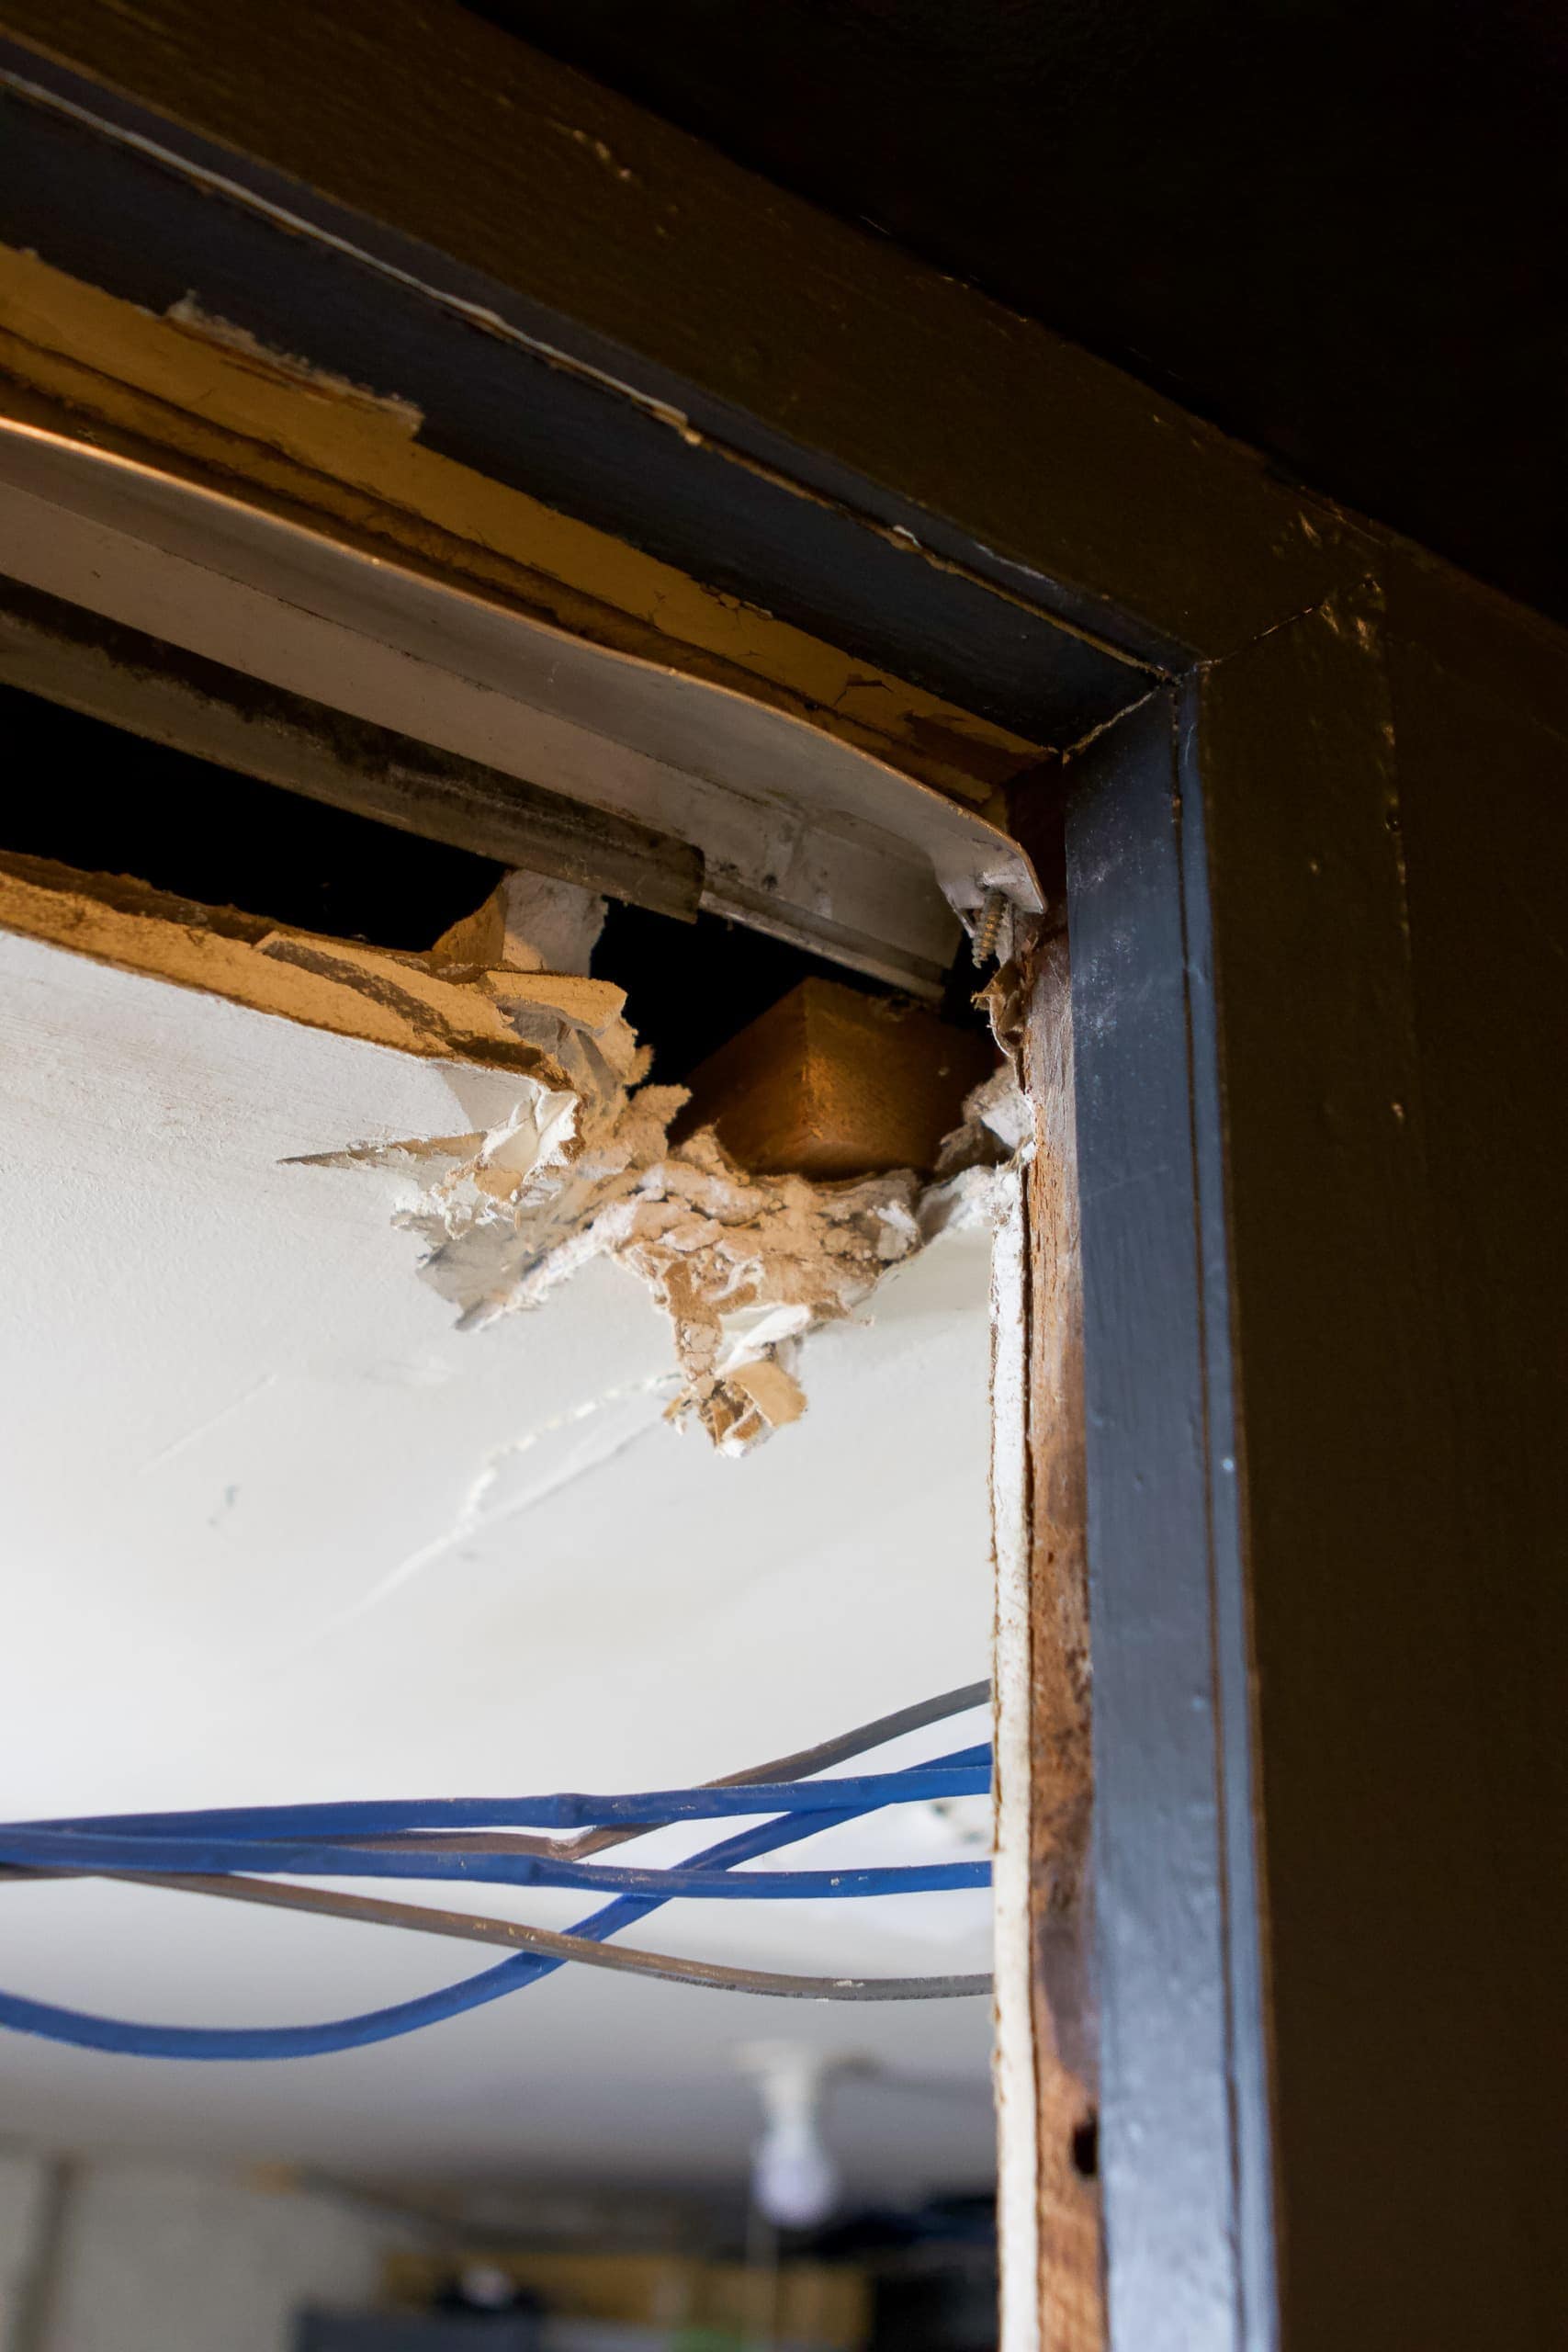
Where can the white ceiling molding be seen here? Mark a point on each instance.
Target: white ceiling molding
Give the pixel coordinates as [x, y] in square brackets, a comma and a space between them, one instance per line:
[801, 834]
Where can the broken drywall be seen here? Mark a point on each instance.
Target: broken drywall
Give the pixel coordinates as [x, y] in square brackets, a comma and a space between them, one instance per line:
[560, 1026]
[744, 1266]
[583, 1166]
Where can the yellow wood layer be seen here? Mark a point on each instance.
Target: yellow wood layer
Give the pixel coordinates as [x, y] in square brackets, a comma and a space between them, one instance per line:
[189, 393]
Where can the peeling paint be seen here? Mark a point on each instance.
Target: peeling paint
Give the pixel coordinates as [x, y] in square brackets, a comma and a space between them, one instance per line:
[189, 313]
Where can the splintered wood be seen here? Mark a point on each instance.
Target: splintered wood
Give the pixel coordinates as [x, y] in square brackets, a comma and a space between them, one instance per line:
[1048, 2201]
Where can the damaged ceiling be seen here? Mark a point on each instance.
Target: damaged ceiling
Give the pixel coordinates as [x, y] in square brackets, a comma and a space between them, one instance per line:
[303, 1508]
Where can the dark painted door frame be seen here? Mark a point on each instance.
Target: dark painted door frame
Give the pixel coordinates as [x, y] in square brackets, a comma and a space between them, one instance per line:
[1185, 2155]
[1324, 1547]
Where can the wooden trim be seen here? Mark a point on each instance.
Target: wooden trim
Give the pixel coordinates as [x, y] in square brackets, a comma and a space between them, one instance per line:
[1072, 2309]
[1047, 2058]
[1184, 2158]
[1016, 2058]
[1390, 1566]
[738, 317]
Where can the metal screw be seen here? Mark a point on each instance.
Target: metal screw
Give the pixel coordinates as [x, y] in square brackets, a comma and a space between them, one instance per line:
[987, 931]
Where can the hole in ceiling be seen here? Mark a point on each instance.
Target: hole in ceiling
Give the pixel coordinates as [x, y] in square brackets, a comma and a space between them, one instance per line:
[692, 986]
[106, 801]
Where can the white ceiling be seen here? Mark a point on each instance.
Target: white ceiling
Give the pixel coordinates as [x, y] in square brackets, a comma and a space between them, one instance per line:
[275, 1530]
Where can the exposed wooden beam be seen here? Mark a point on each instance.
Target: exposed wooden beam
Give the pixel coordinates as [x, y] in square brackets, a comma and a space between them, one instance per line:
[1047, 2038]
[831, 1082]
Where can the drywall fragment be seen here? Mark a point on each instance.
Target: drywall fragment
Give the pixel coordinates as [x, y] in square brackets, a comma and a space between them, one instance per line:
[776, 1396]
[995, 1124]
[549, 926]
[562, 1028]
[529, 923]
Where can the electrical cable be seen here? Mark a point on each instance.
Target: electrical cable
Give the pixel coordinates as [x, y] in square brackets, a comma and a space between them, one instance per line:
[221, 2042]
[716, 1975]
[528, 1966]
[820, 1759]
[655, 1808]
[76, 1850]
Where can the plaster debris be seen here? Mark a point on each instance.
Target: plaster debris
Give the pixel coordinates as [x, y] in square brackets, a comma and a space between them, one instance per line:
[744, 1266]
[529, 923]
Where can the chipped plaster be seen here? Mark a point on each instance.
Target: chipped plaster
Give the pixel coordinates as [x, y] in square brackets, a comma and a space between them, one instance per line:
[744, 1266]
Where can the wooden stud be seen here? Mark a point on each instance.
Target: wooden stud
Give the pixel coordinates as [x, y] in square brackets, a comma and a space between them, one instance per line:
[1048, 2200]
[830, 1082]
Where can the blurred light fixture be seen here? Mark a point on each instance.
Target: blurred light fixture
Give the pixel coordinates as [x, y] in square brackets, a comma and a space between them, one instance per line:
[795, 2182]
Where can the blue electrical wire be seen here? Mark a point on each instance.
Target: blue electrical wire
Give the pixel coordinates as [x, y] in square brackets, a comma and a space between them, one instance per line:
[124, 2037]
[68, 1851]
[392, 1816]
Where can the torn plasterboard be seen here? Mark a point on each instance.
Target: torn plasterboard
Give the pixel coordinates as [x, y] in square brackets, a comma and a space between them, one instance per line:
[743, 1265]
[562, 1028]
[582, 1168]
[530, 922]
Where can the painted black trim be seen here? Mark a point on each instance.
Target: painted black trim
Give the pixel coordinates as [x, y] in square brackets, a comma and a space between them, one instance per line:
[595, 437]
[1184, 2141]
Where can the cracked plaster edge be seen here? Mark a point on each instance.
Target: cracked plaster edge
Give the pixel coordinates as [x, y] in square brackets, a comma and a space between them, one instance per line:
[813, 1266]
[374, 995]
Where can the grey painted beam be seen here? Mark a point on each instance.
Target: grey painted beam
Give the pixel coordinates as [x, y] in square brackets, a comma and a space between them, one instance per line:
[68, 655]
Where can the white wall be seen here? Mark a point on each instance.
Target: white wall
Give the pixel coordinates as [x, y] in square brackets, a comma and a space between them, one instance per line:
[275, 1529]
[163, 2257]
